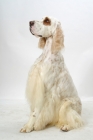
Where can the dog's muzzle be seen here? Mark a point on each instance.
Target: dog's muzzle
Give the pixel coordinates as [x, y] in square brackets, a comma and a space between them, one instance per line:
[31, 23]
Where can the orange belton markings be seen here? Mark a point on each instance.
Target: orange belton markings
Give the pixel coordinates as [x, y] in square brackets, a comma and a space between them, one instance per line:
[47, 21]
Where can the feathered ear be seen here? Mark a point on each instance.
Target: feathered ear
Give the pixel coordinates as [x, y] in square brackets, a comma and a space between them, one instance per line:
[58, 40]
[42, 42]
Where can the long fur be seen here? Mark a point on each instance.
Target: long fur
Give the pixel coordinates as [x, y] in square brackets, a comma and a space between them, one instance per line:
[50, 89]
[58, 40]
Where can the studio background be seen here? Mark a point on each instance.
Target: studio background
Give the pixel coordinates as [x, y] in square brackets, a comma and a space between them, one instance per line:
[18, 48]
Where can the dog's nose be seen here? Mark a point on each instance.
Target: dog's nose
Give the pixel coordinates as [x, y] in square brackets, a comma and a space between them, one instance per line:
[31, 23]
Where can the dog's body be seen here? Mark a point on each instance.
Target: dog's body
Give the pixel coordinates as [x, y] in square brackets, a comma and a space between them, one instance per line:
[50, 90]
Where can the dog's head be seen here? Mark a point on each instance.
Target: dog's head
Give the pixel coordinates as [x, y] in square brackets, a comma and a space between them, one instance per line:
[45, 28]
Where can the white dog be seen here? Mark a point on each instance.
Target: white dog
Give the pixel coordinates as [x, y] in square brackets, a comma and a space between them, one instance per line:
[50, 90]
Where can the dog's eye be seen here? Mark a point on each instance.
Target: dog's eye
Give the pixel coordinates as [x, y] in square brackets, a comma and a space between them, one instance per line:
[47, 21]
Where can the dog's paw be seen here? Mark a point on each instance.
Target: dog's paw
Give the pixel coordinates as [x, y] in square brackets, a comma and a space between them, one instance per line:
[65, 128]
[26, 129]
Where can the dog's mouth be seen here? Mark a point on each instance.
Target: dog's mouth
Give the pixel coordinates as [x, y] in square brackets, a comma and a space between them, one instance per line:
[34, 34]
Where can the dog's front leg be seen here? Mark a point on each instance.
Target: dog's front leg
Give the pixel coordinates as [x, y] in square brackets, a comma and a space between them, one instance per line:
[29, 126]
[35, 95]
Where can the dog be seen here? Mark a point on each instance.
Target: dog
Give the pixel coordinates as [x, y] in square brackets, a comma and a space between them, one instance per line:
[50, 90]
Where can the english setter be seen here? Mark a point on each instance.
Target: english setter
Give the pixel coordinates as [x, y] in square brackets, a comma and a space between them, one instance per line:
[50, 90]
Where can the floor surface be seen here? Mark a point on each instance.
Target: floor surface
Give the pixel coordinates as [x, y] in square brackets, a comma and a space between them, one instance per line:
[14, 114]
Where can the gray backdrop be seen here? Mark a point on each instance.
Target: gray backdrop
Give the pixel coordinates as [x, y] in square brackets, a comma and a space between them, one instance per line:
[18, 48]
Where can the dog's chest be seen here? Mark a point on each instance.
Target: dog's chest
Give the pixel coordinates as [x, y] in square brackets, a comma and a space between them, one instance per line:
[51, 68]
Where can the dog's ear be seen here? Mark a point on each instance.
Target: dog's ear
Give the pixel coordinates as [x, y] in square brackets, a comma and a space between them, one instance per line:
[42, 42]
[58, 40]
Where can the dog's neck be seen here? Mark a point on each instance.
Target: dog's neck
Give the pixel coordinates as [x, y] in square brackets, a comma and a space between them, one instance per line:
[47, 54]
[47, 49]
